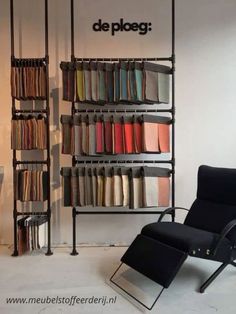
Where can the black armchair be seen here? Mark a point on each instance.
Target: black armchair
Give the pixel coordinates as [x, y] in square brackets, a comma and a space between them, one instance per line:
[208, 232]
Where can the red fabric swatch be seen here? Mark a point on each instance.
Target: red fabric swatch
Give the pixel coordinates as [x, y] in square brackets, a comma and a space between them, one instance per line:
[99, 138]
[118, 137]
[128, 134]
[108, 137]
[137, 128]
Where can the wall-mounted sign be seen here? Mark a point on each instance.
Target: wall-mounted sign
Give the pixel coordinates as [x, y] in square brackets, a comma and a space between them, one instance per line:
[141, 27]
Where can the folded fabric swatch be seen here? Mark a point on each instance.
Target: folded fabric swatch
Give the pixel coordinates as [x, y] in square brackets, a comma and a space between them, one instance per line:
[156, 82]
[67, 134]
[117, 187]
[94, 81]
[109, 82]
[136, 190]
[155, 186]
[151, 136]
[128, 134]
[100, 131]
[118, 136]
[123, 81]
[87, 81]
[80, 82]
[101, 82]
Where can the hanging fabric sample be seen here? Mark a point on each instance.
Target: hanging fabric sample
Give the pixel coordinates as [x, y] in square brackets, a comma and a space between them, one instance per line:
[132, 93]
[135, 187]
[28, 132]
[156, 187]
[94, 135]
[28, 79]
[31, 185]
[87, 81]
[153, 135]
[67, 135]
[138, 76]
[31, 233]
[116, 82]
[117, 191]
[109, 82]
[68, 80]
[101, 82]
[94, 81]
[156, 82]
[123, 81]
[100, 129]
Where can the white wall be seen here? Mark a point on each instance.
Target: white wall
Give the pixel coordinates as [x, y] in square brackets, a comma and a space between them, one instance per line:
[206, 106]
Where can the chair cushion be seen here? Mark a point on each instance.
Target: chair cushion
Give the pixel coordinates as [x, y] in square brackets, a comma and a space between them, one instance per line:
[186, 238]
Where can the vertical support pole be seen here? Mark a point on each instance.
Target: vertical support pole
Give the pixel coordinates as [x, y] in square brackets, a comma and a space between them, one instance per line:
[173, 108]
[74, 214]
[49, 252]
[15, 252]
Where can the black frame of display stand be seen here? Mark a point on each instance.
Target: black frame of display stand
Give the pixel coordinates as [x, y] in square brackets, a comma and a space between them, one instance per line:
[94, 109]
[45, 111]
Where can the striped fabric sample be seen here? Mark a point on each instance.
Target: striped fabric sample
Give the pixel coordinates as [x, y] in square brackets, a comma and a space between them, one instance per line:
[28, 79]
[31, 185]
[28, 132]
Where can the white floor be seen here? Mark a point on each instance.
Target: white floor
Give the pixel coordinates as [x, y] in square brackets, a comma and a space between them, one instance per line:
[86, 276]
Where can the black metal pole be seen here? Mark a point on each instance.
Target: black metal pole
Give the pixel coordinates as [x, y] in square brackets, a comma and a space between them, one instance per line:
[72, 30]
[173, 109]
[15, 252]
[74, 251]
[49, 252]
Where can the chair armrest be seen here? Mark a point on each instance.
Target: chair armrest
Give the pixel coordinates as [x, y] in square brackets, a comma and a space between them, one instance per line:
[169, 211]
[223, 234]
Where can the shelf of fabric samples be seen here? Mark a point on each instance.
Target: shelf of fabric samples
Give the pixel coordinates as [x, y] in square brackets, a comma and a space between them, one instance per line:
[30, 143]
[120, 134]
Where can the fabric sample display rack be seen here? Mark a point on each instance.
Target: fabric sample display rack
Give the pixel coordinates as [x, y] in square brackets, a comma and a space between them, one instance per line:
[112, 87]
[30, 131]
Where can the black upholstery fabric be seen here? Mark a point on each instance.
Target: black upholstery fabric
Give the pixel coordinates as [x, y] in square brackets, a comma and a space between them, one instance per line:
[154, 259]
[187, 239]
[217, 185]
[215, 205]
[211, 217]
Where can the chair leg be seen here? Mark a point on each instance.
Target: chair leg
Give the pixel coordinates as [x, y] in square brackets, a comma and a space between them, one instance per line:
[130, 295]
[213, 277]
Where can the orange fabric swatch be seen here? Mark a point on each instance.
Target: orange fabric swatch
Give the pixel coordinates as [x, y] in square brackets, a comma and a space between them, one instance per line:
[128, 130]
[150, 137]
[164, 137]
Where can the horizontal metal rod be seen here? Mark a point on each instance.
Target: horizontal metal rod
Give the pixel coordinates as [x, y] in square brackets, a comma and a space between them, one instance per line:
[123, 111]
[30, 111]
[113, 103]
[124, 59]
[29, 59]
[125, 161]
[32, 213]
[118, 212]
[31, 162]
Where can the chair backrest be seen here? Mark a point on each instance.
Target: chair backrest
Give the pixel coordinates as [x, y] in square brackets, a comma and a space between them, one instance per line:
[215, 205]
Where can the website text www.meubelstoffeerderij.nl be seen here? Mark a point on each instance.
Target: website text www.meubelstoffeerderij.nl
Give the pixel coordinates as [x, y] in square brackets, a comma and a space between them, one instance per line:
[72, 300]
